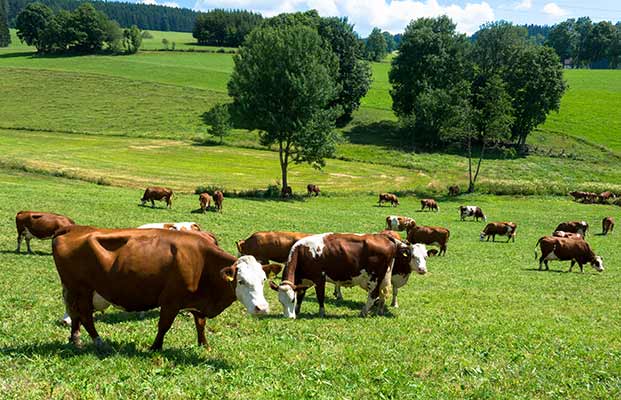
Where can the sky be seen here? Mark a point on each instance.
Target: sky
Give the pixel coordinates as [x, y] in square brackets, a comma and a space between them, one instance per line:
[394, 15]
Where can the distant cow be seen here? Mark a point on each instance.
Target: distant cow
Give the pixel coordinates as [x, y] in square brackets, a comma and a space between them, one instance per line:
[569, 235]
[205, 201]
[454, 190]
[580, 227]
[430, 235]
[608, 225]
[431, 204]
[286, 191]
[499, 228]
[174, 226]
[605, 196]
[471, 211]
[584, 197]
[565, 249]
[388, 197]
[218, 199]
[271, 245]
[40, 225]
[142, 269]
[313, 189]
[157, 193]
[398, 223]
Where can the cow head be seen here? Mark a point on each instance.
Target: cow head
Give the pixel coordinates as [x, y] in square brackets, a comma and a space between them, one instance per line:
[250, 276]
[482, 236]
[287, 297]
[598, 263]
[417, 256]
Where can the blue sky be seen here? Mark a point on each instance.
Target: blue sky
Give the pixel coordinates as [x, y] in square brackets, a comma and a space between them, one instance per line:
[394, 15]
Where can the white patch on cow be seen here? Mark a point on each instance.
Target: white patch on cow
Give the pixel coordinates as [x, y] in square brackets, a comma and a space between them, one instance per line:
[551, 256]
[399, 280]
[509, 229]
[370, 300]
[418, 262]
[394, 222]
[288, 299]
[598, 264]
[314, 243]
[174, 226]
[249, 289]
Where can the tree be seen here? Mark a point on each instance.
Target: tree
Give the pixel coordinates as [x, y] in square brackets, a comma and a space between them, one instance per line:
[219, 120]
[495, 44]
[600, 40]
[376, 48]
[132, 39]
[391, 45]
[5, 36]
[90, 27]
[31, 23]
[583, 54]
[563, 38]
[283, 83]
[165, 43]
[615, 47]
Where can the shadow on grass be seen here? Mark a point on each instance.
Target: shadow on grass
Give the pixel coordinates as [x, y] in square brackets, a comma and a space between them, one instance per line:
[120, 317]
[17, 54]
[556, 271]
[200, 211]
[157, 207]
[23, 253]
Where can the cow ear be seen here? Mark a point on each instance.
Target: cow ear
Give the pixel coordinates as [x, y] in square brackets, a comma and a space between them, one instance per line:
[228, 273]
[271, 270]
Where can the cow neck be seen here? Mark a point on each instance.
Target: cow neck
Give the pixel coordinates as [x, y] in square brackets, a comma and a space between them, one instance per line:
[288, 274]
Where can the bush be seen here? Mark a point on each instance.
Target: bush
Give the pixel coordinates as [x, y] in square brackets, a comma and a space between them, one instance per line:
[146, 35]
[272, 192]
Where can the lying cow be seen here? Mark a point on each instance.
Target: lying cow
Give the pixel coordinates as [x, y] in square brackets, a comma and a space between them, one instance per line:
[566, 249]
[499, 228]
[471, 211]
[346, 259]
[430, 235]
[40, 225]
[580, 227]
[608, 225]
[157, 193]
[569, 235]
[218, 199]
[142, 269]
[205, 201]
[430, 204]
[271, 245]
[398, 223]
[388, 197]
[313, 189]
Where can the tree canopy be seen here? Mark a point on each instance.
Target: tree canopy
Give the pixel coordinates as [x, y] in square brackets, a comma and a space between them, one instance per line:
[375, 46]
[5, 36]
[224, 27]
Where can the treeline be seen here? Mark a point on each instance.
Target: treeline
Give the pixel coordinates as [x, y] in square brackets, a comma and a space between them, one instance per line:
[583, 43]
[5, 36]
[224, 27]
[144, 16]
[84, 30]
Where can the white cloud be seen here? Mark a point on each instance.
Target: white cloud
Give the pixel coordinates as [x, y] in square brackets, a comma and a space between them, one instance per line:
[524, 5]
[554, 10]
[390, 15]
[165, 3]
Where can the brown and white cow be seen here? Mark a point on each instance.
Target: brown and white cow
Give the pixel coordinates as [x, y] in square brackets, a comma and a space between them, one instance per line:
[313, 189]
[605, 196]
[580, 227]
[398, 223]
[429, 235]
[174, 226]
[471, 211]
[346, 259]
[142, 269]
[205, 201]
[218, 199]
[153, 193]
[388, 197]
[40, 225]
[430, 204]
[566, 249]
[569, 235]
[608, 225]
[499, 228]
[269, 245]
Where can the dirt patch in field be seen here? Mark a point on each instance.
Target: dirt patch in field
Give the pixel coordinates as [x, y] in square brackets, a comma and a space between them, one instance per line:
[344, 176]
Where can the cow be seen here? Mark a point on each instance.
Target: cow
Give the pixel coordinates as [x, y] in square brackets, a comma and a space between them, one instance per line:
[608, 225]
[499, 228]
[453, 190]
[429, 235]
[153, 193]
[391, 233]
[218, 199]
[398, 223]
[580, 227]
[605, 196]
[175, 226]
[570, 235]
[566, 249]
[313, 189]
[388, 197]
[205, 201]
[430, 204]
[270, 245]
[141, 269]
[584, 197]
[347, 260]
[471, 211]
[286, 191]
[40, 225]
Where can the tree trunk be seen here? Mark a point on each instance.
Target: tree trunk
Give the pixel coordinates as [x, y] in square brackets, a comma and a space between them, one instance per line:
[476, 174]
[470, 182]
[284, 163]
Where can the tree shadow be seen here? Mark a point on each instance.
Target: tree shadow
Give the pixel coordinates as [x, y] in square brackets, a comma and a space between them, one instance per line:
[157, 207]
[17, 54]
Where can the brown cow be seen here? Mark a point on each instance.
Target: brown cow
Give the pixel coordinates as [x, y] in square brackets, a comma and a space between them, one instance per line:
[205, 201]
[345, 259]
[453, 190]
[608, 225]
[580, 227]
[388, 197]
[570, 235]
[153, 193]
[584, 197]
[271, 245]
[40, 225]
[565, 249]
[310, 188]
[471, 211]
[499, 228]
[431, 204]
[429, 235]
[605, 196]
[398, 223]
[218, 199]
[142, 269]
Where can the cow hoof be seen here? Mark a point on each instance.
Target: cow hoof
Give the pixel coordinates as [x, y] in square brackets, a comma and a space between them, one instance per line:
[363, 313]
[322, 313]
[75, 340]
[394, 305]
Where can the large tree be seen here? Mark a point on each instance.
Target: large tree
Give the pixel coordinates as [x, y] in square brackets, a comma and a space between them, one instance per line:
[496, 42]
[376, 47]
[283, 84]
[31, 23]
[5, 36]
[564, 39]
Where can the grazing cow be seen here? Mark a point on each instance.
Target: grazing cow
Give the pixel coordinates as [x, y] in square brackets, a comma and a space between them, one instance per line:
[608, 225]
[141, 269]
[392, 234]
[205, 201]
[272, 245]
[218, 199]
[580, 227]
[398, 223]
[429, 235]
[570, 235]
[431, 204]
[286, 192]
[499, 228]
[157, 193]
[471, 211]
[605, 196]
[310, 188]
[454, 190]
[584, 197]
[388, 197]
[565, 249]
[40, 225]
[348, 260]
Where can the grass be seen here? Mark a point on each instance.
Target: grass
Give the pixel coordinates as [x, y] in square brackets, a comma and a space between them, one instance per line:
[482, 323]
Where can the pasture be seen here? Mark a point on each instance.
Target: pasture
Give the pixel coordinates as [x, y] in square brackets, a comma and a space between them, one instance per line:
[482, 323]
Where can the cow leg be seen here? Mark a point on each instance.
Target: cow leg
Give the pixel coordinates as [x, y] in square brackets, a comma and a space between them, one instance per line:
[199, 321]
[320, 291]
[167, 317]
[300, 298]
[28, 244]
[19, 242]
[394, 302]
[85, 307]
[337, 291]
[152, 203]
[443, 249]
[75, 331]
[571, 266]
[372, 298]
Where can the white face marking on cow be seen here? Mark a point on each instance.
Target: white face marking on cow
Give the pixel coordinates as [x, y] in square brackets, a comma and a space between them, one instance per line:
[598, 264]
[394, 222]
[314, 243]
[249, 289]
[482, 236]
[399, 280]
[418, 262]
[288, 299]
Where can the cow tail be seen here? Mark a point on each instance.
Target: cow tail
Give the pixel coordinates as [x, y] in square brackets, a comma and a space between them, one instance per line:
[239, 245]
[537, 245]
